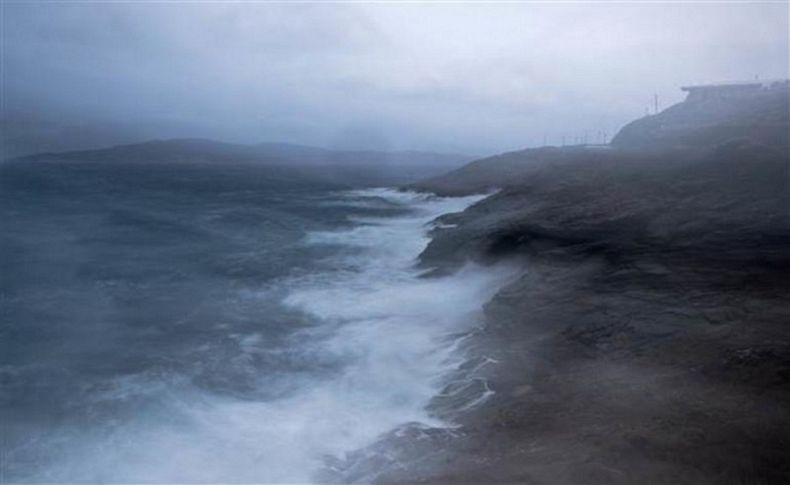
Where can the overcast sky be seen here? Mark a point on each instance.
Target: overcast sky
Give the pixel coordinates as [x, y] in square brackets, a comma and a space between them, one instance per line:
[473, 78]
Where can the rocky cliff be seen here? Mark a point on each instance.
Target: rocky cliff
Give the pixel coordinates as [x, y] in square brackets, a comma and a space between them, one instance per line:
[683, 132]
[647, 339]
[759, 115]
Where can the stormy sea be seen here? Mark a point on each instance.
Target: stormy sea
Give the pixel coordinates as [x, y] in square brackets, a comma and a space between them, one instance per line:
[201, 324]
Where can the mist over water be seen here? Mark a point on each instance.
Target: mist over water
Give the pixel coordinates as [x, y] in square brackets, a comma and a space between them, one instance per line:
[293, 328]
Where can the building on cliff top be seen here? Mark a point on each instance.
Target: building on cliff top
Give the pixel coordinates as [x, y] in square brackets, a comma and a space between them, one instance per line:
[731, 89]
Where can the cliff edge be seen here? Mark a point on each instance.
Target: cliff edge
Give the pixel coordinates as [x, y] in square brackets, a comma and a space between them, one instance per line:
[646, 340]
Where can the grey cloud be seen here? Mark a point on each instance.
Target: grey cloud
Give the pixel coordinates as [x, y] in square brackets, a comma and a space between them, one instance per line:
[464, 77]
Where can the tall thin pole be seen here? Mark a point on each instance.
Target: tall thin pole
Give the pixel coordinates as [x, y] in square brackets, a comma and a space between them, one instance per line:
[655, 102]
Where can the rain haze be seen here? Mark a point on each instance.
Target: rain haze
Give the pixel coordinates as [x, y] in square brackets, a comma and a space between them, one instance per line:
[394, 242]
[462, 78]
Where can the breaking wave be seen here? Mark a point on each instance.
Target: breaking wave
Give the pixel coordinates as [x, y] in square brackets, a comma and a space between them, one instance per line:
[378, 346]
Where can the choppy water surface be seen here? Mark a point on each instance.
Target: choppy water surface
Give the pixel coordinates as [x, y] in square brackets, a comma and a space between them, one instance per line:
[191, 324]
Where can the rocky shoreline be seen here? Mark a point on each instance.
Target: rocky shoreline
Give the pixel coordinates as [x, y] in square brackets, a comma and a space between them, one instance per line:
[646, 339]
[648, 372]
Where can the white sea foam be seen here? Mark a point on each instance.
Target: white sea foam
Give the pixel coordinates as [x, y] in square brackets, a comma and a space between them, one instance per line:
[393, 332]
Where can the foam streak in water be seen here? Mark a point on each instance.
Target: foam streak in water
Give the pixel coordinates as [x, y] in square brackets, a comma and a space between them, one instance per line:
[389, 334]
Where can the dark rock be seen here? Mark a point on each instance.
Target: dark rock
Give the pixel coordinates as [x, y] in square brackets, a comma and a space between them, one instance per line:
[647, 339]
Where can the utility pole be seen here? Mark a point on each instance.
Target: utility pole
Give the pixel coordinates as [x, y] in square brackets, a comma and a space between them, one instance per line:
[655, 102]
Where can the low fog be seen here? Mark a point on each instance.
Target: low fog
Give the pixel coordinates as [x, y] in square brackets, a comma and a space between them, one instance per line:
[466, 78]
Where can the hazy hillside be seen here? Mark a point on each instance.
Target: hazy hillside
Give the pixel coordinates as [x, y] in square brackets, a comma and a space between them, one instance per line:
[678, 133]
[761, 116]
[724, 178]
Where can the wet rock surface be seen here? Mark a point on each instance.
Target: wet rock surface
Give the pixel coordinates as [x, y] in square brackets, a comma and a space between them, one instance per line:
[624, 373]
[646, 340]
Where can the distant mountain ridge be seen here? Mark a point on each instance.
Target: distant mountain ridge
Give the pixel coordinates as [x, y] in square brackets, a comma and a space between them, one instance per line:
[341, 167]
[201, 149]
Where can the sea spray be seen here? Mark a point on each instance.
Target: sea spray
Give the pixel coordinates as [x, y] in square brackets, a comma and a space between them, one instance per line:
[362, 346]
[401, 332]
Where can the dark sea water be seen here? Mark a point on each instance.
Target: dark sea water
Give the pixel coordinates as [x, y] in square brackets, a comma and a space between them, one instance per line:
[183, 323]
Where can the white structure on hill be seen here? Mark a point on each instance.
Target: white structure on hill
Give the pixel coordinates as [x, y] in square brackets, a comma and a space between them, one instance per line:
[732, 89]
